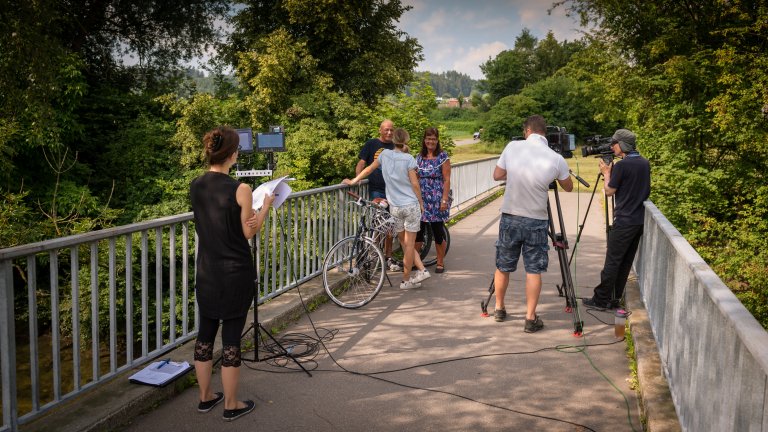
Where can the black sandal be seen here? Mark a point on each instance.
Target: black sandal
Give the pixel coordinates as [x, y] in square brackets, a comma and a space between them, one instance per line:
[439, 269]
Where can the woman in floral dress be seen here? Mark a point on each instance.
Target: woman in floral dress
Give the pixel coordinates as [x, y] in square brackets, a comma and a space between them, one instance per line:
[435, 182]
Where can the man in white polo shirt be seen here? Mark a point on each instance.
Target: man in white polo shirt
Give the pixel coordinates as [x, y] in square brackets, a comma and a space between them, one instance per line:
[529, 168]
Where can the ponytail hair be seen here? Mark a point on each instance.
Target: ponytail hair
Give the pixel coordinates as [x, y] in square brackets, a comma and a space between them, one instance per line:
[219, 144]
[400, 137]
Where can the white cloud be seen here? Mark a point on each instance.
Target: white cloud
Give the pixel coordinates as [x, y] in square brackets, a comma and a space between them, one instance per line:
[461, 35]
[470, 62]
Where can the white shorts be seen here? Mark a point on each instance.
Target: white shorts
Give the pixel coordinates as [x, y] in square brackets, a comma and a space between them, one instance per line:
[407, 218]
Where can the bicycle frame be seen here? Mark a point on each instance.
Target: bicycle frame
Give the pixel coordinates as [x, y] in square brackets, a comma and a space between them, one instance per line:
[363, 229]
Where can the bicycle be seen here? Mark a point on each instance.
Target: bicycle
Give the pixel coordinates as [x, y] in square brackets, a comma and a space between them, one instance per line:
[354, 268]
[427, 253]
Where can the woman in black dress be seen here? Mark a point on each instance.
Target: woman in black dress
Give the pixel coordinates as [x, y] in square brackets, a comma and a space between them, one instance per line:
[224, 283]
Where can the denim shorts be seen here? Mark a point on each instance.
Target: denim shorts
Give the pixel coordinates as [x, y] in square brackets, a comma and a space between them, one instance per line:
[516, 234]
[407, 218]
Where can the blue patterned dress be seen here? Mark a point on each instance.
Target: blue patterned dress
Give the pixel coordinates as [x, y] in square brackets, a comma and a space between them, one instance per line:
[431, 183]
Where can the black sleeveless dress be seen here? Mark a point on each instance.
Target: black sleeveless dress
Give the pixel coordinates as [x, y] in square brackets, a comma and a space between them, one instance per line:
[224, 283]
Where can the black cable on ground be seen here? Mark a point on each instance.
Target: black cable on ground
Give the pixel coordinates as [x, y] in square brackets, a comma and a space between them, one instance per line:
[311, 345]
[372, 375]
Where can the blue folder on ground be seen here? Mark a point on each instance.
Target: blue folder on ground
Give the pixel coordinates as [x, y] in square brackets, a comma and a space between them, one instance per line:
[160, 373]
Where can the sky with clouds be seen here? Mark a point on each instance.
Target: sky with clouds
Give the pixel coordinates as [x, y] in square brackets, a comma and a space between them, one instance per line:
[461, 35]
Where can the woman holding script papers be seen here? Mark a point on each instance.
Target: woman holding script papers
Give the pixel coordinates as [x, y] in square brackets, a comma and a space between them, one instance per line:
[224, 221]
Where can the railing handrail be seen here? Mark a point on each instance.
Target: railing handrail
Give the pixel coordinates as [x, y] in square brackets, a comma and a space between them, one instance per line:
[146, 269]
[92, 236]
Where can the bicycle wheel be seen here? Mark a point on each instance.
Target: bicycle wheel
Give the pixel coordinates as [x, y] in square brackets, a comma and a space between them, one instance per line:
[353, 272]
[428, 252]
[426, 228]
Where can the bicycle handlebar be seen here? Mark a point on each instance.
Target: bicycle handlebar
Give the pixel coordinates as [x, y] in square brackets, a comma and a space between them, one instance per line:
[363, 202]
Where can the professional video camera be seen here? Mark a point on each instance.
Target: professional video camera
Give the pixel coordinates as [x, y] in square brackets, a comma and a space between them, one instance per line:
[561, 141]
[599, 146]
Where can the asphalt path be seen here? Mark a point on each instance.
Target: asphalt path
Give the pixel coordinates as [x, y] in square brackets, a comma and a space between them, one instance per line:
[426, 360]
[465, 141]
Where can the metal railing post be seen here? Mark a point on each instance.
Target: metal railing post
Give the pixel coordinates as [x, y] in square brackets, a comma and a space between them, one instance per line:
[8, 347]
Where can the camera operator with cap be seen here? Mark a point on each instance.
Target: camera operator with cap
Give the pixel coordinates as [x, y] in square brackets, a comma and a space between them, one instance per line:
[630, 181]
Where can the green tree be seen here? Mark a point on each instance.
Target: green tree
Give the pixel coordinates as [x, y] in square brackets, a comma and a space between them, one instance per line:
[507, 74]
[480, 101]
[529, 61]
[356, 44]
[696, 101]
[67, 90]
[505, 119]
[449, 83]
[562, 103]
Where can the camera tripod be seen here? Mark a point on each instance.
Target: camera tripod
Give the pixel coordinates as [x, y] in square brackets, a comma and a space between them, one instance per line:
[584, 221]
[608, 159]
[560, 242]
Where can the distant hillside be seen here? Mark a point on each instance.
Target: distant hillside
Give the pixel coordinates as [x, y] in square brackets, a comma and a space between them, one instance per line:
[207, 84]
[444, 83]
[450, 83]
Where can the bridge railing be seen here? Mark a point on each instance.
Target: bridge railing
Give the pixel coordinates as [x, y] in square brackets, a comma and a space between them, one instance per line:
[78, 311]
[713, 351]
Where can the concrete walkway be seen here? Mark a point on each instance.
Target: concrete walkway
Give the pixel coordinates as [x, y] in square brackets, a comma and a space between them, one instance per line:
[425, 359]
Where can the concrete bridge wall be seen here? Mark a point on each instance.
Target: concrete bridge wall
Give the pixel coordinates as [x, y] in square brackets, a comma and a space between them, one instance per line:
[713, 352]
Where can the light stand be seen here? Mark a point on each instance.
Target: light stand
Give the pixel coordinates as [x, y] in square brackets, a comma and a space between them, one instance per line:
[256, 325]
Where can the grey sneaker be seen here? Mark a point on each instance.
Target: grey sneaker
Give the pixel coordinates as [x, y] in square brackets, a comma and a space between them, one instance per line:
[404, 285]
[421, 275]
[534, 325]
[499, 315]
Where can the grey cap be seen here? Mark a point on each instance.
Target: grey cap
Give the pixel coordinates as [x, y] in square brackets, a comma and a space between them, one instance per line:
[625, 138]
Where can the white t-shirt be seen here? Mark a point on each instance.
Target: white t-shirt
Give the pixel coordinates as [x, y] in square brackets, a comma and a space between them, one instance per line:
[395, 167]
[531, 167]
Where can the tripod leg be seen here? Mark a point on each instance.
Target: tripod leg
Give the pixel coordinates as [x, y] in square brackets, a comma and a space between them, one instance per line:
[256, 325]
[584, 221]
[484, 304]
[283, 351]
[560, 242]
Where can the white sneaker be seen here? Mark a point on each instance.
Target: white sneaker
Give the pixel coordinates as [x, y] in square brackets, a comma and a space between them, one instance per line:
[393, 265]
[409, 284]
[421, 275]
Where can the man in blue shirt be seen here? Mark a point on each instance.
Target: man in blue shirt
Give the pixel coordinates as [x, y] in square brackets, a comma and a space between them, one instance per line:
[370, 152]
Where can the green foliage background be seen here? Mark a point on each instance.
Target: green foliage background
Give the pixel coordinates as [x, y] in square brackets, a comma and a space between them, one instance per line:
[88, 141]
